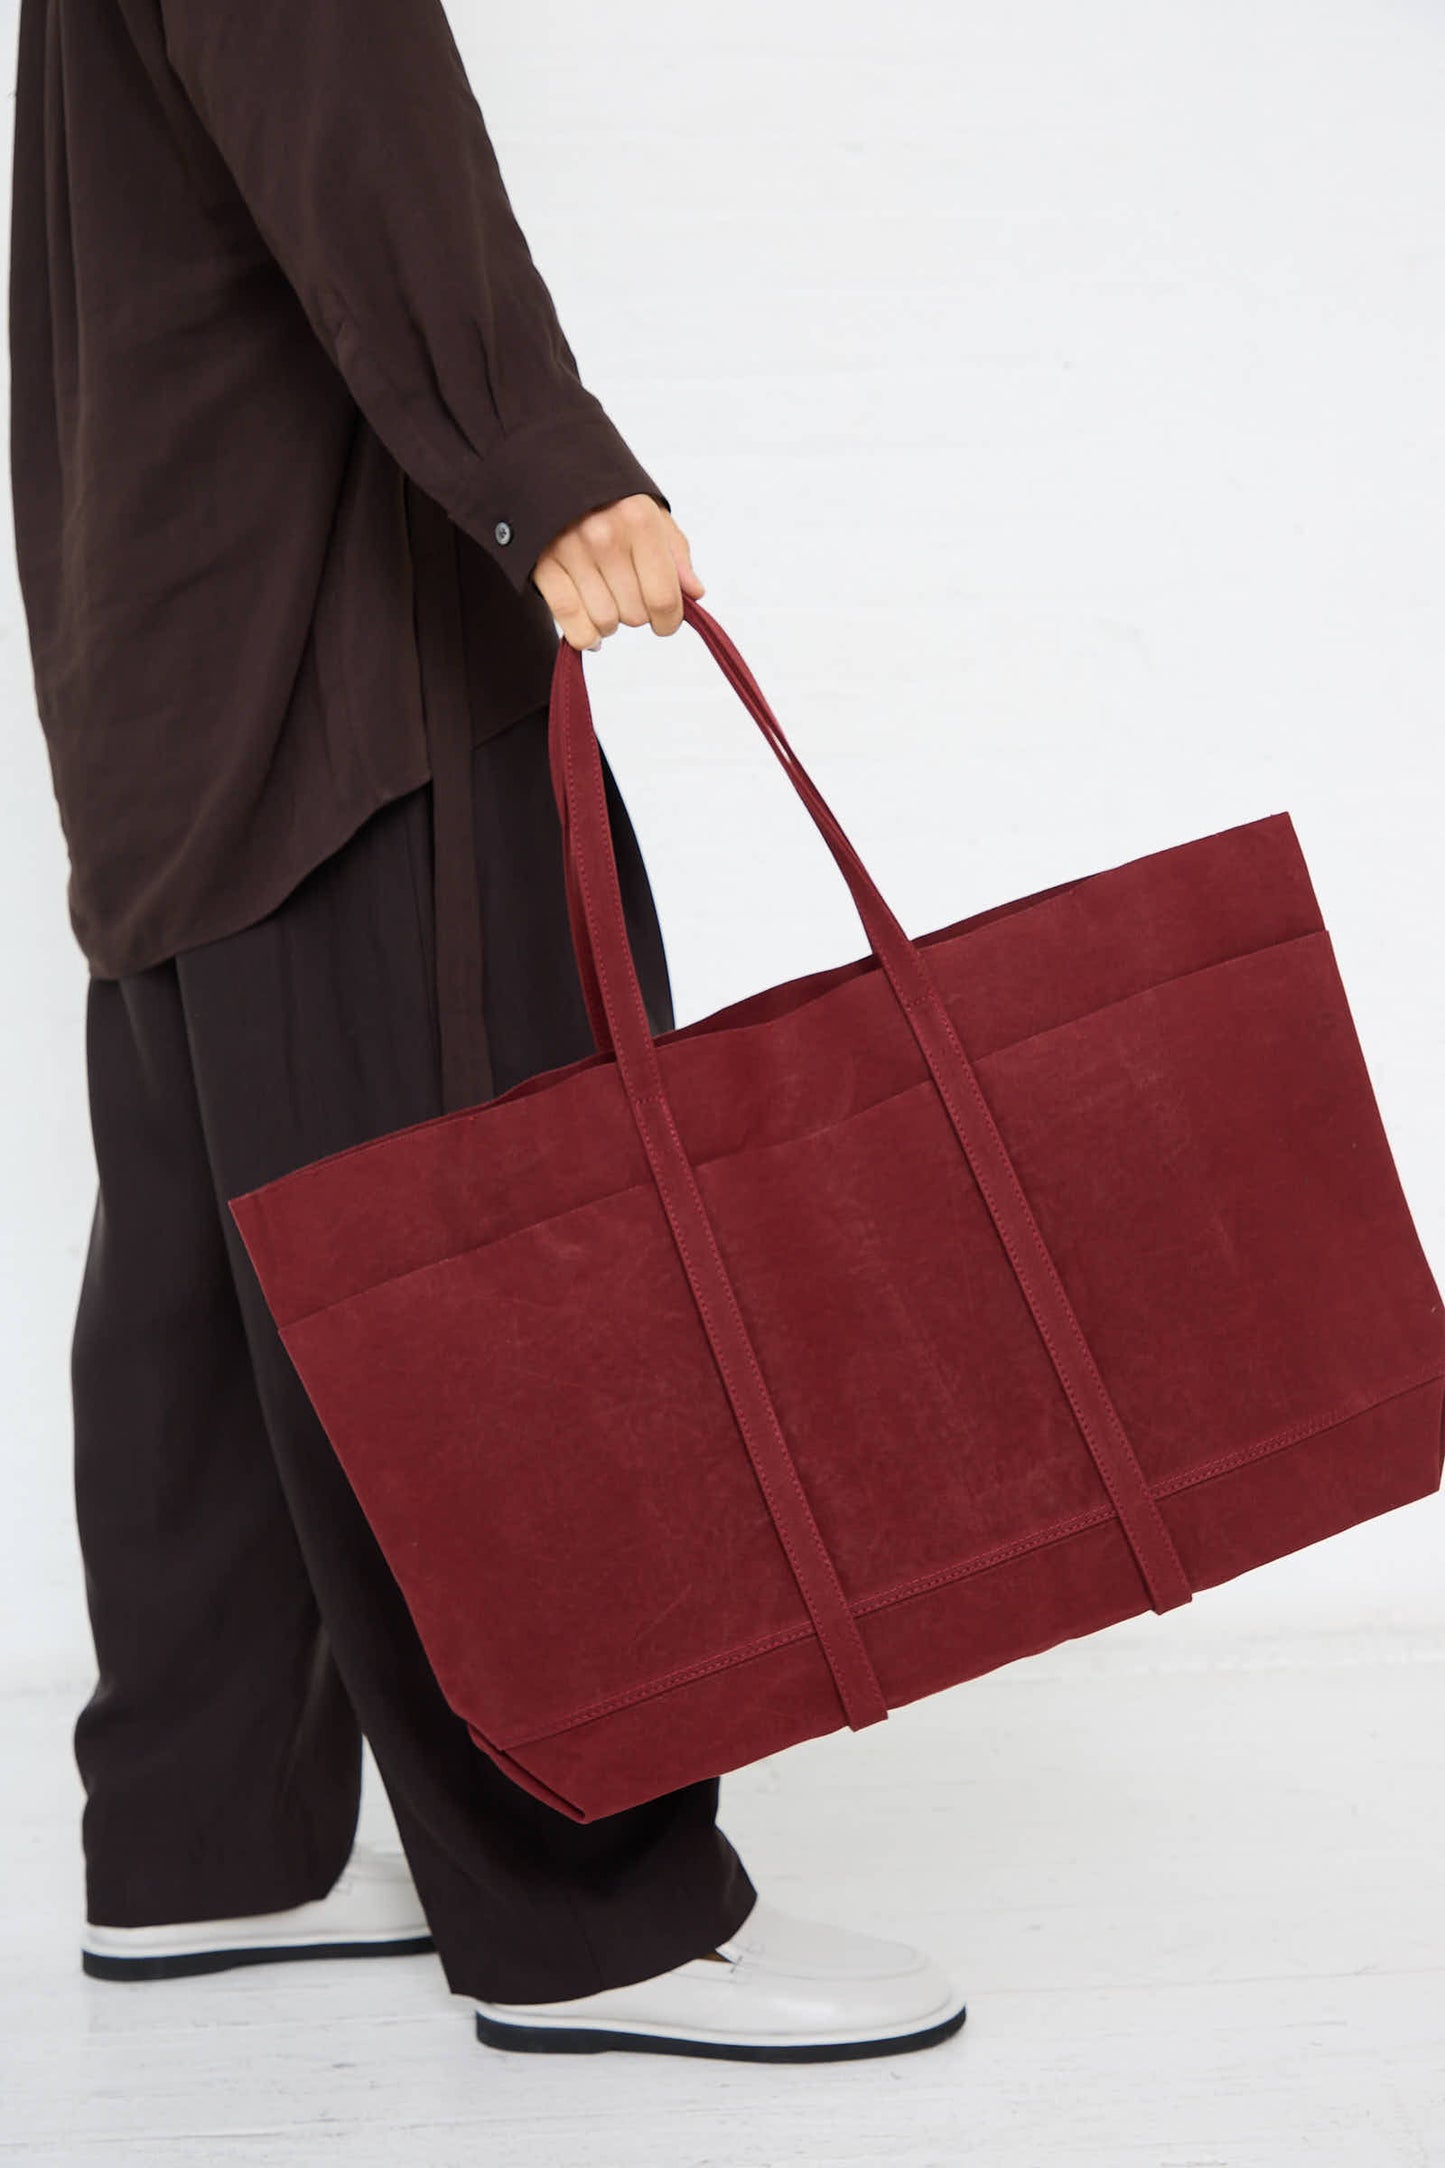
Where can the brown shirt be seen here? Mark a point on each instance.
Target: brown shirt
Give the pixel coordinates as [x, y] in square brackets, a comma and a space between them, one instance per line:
[266, 292]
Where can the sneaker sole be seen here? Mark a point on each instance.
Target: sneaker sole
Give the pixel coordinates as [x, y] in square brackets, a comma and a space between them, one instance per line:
[589, 2040]
[182, 1964]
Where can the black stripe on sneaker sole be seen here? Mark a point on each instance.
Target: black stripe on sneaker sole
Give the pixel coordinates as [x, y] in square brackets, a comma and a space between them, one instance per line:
[181, 1965]
[588, 2040]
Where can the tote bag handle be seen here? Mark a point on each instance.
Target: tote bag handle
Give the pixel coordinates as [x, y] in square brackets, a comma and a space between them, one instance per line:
[620, 1023]
[886, 936]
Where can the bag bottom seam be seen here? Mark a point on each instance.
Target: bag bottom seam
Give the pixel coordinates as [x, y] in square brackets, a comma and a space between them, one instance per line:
[980, 1562]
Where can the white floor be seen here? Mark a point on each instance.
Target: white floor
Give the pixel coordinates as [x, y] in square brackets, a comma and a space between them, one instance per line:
[1196, 1901]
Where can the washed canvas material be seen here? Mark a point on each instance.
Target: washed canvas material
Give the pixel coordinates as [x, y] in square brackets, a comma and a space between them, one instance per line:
[744, 1382]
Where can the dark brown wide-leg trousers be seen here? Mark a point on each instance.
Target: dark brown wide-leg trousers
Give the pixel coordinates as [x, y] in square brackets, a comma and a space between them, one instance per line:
[247, 1629]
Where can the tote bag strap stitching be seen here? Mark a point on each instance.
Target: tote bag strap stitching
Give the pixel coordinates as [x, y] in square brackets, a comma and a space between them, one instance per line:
[791, 1513]
[1088, 1396]
[1138, 1512]
[576, 916]
[712, 1291]
[1123, 1479]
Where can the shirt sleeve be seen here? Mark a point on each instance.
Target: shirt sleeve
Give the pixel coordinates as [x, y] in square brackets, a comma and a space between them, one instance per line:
[351, 131]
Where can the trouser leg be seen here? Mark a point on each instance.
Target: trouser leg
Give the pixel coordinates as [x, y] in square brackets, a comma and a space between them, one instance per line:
[316, 1029]
[219, 1752]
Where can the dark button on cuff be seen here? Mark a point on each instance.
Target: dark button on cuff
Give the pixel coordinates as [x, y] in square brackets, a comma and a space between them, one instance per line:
[502, 531]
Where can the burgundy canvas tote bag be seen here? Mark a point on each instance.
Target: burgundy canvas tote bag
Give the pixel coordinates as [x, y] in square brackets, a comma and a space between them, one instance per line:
[743, 1382]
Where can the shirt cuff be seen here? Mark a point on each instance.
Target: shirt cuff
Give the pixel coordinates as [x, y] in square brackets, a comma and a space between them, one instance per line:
[544, 476]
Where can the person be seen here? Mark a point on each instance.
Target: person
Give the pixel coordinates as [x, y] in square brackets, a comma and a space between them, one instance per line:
[306, 489]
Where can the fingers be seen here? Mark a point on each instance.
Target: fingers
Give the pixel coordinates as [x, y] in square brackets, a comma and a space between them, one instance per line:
[691, 580]
[562, 599]
[598, 554]
[627, 563]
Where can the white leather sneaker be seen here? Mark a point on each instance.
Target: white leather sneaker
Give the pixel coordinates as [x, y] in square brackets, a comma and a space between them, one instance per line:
[781, 1990]
[372, 1910]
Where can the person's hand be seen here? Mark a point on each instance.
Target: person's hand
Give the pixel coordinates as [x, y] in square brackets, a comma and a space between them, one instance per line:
[624, 564]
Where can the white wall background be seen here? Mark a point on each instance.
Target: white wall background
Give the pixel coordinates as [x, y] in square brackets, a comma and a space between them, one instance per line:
[1052, 397]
